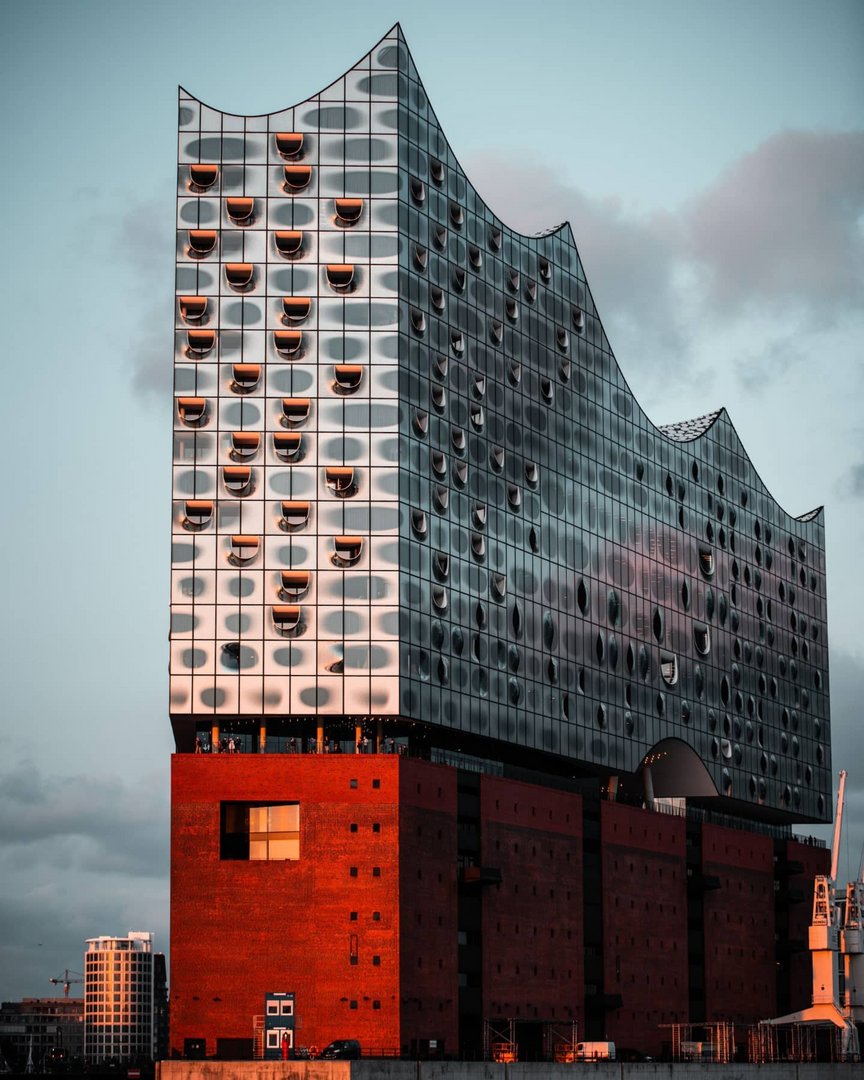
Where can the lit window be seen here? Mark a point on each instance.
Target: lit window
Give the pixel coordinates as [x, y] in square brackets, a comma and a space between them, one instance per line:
[288, 445]
[295, 584]
[295, 308]
[297, 177]
[348, 211]
[287, 619]
[243, 550]
[192, 308]
[244, 444]
[347, 378]
[198, 514]
[240, 210]
[295, 515]
[348, 550]
[203, 176]
[199, 342]
[245, 377]
[669, 668]
[237, 479]
[287, 342]
[340, 276]
[289, 243]
[289, 143]
[295, 411]
[260, 833]
[201, 242]
[341, 481]
[239, 275]
[192, 410]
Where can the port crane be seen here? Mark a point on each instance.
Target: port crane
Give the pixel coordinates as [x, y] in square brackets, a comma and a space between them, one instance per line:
[829, 931]
[65, 980]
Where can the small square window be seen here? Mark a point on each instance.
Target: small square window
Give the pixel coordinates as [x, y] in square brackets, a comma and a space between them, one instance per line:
[376, 916]
[352, 783]
[376, 783]
[353, 916]
[353, 871]
[376, 1004]
[353, 1004]
[376, 961]
[376, 827]
[353, 826]
[376, 871]
[354, 961]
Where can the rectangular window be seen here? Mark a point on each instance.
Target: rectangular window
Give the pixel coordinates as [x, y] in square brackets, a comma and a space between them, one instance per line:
[261, 832]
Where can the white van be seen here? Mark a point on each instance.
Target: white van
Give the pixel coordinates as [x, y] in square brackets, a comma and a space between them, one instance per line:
[595, 1051]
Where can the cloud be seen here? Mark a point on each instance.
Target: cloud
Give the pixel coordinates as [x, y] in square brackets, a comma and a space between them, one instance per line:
[89, 856]
[142, 243]
[772, 252]
[851, 483]
[781, 226]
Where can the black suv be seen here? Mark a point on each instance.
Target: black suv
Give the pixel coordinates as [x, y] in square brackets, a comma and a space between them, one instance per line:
[342, 1049]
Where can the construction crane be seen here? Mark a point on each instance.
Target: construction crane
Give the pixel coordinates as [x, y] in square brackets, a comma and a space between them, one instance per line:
[852, 947]
[825, 939]
[65, 980]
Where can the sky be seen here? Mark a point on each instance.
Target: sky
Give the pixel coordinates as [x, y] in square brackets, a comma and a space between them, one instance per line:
[709, 155]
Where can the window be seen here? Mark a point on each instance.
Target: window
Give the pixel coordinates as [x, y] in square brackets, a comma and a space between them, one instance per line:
[287, 619]
[237, 479]
[353, 871]
[348, 211]
[287, 342]
[201, 242]
[289, 243]
[376, 871]
[347, 378]
[340, 276]
[297, 177]
[295, 584]
[245, 377]
[260, 833]
[294, 515]
[243, 549]
[341, 481]
[289, 144]
[348, 550]
[295, 411]
[192, 308]
[295, 308]
[203, 176]
[354, 826]
[240, 276]
[240, 210]
[198, 513]
[244, 444]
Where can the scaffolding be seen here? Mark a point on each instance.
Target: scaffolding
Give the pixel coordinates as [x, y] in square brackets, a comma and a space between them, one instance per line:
[558, 1039]
[711, 1041]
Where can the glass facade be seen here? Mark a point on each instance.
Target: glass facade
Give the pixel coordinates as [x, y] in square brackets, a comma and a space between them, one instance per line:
[411, 483]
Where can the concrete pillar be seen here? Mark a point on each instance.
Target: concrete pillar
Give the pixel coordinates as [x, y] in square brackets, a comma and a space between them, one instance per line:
[319, 736]
[214, 738]
[358, 735]
[262, 737]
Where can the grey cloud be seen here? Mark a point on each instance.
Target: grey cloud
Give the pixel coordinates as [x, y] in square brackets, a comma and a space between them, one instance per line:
[777, 234]
[89, 856]
[851, 483]
[780, 226]
[143, 242]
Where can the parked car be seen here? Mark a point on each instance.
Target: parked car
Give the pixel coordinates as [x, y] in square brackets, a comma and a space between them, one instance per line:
[341, 1050]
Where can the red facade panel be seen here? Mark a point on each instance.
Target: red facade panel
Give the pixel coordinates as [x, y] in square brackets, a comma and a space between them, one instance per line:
[644, 858]
[314, 926]
[427, 897]
[740, 982]
[532, 920]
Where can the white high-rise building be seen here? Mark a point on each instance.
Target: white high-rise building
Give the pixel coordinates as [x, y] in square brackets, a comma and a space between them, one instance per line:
[118, 998]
